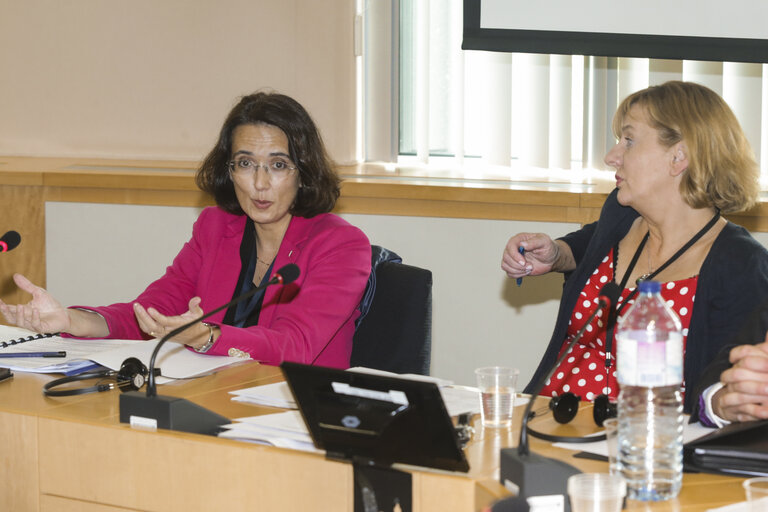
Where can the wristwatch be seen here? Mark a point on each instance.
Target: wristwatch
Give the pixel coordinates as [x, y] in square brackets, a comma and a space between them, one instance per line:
[209, 343]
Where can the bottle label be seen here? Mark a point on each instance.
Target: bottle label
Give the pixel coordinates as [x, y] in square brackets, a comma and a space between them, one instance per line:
[643, 361]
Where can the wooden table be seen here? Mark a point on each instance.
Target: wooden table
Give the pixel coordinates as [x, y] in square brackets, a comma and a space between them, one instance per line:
[73, 454]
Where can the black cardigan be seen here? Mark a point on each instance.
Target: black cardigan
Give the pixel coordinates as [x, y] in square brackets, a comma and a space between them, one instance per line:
[732, 281]
[751, 333]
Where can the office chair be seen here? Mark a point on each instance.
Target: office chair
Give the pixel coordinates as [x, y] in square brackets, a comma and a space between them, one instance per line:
[396, 333]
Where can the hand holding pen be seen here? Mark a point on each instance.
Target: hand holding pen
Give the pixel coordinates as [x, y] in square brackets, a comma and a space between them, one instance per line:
[534, 254]
[514, 262]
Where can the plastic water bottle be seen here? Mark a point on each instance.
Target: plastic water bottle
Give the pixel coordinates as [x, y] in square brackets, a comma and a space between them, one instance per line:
[649, 364]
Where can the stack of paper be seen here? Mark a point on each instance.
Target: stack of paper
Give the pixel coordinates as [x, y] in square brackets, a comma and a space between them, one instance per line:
[409, 376]
[270, 395]
[285, 429]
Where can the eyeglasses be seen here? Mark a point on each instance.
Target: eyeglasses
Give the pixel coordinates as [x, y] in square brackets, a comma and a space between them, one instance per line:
[244, 167]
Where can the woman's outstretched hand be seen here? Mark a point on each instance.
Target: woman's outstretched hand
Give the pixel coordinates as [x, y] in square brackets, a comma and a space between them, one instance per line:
[157, 325]
[41, 314]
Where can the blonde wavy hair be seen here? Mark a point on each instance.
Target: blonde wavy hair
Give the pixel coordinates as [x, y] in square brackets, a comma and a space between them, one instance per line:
[722, 171]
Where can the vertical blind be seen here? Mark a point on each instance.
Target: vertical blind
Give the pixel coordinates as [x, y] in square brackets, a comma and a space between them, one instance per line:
[512, 111]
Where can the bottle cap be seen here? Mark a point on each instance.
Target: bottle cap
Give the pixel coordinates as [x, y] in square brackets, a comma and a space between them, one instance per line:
[649, 287]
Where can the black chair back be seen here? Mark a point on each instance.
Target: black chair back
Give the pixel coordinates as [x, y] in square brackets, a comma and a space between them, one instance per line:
[396, 333]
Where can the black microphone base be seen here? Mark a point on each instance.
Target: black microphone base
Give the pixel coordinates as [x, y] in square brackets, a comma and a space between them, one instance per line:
[169, 412]
[535, 475]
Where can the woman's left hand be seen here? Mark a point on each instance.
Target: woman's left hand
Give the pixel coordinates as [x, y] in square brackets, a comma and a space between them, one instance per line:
[157, 325]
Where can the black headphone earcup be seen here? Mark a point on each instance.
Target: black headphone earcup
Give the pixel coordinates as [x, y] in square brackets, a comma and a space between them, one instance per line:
[603, 409]
[564, 407]
[132, 375]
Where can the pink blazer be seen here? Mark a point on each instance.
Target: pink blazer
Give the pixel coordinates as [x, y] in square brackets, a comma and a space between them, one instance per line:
[311, 320]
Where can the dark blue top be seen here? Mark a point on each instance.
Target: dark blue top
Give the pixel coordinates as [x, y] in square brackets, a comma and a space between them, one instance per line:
[246, 313]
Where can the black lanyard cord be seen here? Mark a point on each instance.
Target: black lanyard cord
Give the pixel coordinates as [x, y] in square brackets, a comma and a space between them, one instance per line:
[614, 315]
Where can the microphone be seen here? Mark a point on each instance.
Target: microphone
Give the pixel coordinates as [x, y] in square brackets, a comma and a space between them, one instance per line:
[535, 475]
[9, 241]
[172, 413]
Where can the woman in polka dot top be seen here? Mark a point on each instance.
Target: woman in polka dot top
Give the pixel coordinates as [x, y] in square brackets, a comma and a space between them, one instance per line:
[681, 160]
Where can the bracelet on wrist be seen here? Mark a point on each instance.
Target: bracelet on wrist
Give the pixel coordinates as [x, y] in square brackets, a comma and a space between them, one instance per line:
[208, 344]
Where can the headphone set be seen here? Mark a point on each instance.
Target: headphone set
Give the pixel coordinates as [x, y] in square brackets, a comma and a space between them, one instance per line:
[130, 377]
[564, 409]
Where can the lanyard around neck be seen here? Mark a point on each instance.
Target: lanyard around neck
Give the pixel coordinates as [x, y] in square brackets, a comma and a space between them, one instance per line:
[695, 238]
[614, 314]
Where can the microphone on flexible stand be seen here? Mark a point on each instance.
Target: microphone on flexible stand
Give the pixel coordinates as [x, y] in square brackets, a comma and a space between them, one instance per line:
[151, 410]
[9, 241]
[535, 475]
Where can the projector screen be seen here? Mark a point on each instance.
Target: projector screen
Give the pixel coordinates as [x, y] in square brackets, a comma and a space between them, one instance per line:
[724, 30]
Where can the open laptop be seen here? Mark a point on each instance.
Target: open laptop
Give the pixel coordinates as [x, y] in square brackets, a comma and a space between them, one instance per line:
[375, 419]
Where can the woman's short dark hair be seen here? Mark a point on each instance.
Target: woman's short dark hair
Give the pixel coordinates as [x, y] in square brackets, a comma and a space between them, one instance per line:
[319, 188]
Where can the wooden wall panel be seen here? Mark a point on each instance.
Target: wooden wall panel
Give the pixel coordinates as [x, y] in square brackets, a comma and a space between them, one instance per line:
[22, 209]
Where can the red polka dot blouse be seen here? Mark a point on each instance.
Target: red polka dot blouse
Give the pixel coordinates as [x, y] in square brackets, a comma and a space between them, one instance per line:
[584, 372]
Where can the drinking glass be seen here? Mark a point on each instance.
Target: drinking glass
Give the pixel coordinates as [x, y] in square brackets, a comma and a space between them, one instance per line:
[497, 394]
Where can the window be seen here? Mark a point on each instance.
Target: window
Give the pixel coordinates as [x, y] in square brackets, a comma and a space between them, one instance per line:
[442, 109]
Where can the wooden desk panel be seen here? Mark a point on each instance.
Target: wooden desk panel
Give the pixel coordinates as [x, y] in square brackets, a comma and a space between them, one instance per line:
[19, 489]
[700, 491]
[50, 503]
[21, 402]
[73, 454]
[184, 472]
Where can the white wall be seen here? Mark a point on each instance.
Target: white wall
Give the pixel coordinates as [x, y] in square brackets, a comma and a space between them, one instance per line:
[480, 317]
[155, 79]
[99, 254]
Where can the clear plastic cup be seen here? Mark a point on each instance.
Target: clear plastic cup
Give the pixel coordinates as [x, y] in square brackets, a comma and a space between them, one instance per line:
[497, 394]
[756, 490]
[596, 492]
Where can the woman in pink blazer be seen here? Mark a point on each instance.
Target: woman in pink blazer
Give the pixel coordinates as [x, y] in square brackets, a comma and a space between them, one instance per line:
[274, 185]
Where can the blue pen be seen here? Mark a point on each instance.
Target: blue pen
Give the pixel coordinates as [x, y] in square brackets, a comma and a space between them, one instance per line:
[59, 353]
[519, 280]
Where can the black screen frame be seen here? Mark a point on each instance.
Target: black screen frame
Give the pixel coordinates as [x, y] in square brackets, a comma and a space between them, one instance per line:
[422, 434]
[608, 45]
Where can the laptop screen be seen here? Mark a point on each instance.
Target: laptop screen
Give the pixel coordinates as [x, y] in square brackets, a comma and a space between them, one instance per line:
[375, 419]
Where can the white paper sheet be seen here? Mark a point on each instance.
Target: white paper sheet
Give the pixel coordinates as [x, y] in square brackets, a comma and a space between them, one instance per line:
[285, 429]
[270, 395]
[691, 431]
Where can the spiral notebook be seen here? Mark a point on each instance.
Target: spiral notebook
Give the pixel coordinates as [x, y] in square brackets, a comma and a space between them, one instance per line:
[16, 339]
[175, 360]
[25, 337]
